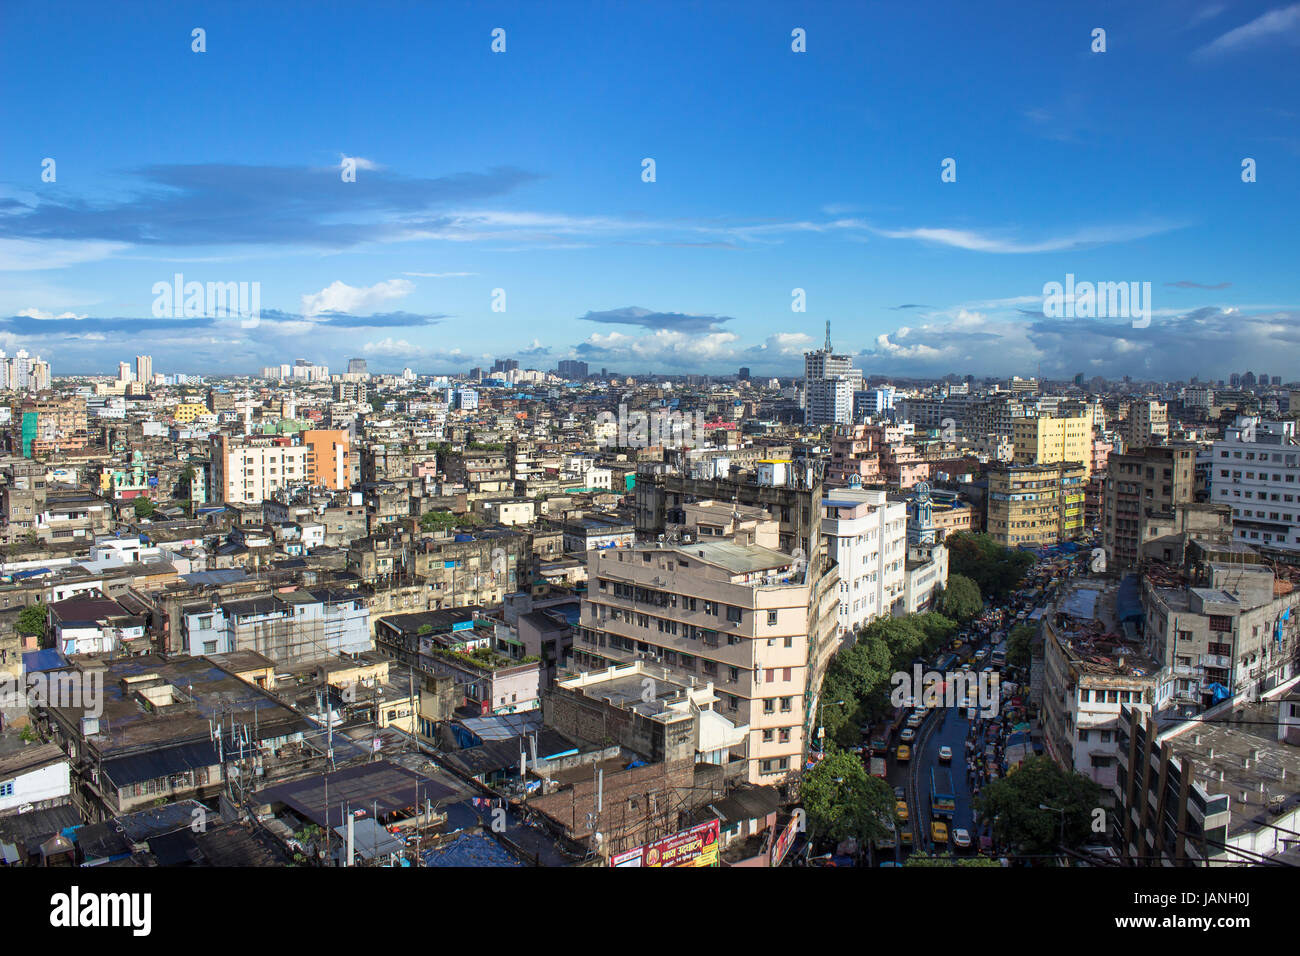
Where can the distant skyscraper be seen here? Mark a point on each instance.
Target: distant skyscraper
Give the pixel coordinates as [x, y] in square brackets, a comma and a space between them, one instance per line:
[744, 374]
[1235, 379]
[829, 383]
[1277, 379]
[357, 366]
[144, 369]
[505, 365]
[1248, 380]
[572, 370]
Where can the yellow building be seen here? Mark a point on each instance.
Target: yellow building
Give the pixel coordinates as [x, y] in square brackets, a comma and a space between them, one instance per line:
[1048, 439]
[186, 412]
[1036, 504]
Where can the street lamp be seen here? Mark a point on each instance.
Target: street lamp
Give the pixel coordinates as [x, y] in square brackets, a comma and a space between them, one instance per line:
[1043, 806]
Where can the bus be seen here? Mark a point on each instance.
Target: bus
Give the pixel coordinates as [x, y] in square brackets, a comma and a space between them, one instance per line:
[943, 801]
[880, 738]
[999, 656]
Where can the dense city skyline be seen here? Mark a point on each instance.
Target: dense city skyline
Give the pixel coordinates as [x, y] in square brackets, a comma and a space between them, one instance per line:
[530, 181]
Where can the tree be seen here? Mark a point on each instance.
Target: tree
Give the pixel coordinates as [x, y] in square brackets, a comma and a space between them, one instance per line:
[438, 521]
[143, 507]
[842, 801]
[937, 628]
[996, 570]
[1019, 643]
[31, 620]
[925, 859]
[961, 598]
[1013, 804]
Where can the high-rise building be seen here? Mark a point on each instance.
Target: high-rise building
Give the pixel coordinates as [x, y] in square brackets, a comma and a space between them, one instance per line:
[505, 365]
[251, 471]
[1143, 488]
[1036, 504]
[1256, 471]
[1047, 439]
[866, 535]
[144, 369]
[829, 383]
[573, 370]
[329, 462]
[1147, 424]
[727, 612]
[357, 366]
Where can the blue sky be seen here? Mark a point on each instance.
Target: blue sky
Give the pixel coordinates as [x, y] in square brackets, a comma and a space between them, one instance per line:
[775, 170]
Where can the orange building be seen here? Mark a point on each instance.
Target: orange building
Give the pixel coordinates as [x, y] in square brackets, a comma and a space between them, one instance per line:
[328, 461]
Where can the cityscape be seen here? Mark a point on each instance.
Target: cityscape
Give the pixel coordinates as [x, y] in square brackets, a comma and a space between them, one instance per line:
[573, 477]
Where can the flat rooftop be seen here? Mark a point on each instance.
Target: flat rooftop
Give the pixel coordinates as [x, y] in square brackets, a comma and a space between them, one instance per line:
[1239, 754]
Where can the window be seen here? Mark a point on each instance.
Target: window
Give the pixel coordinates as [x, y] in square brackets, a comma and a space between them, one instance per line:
[733, 614]
[771, 617]
[769, 705]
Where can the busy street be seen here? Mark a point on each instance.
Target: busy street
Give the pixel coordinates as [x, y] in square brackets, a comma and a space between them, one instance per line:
[950, 753]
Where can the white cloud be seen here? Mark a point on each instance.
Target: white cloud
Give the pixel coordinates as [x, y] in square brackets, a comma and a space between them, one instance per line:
[340, 297]
[1279, 22]
[22, 255]
[42, 314]
[391, 346]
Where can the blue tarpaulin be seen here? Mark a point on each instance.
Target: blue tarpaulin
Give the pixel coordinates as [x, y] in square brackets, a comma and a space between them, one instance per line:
[1219, 692]
[1128, 602]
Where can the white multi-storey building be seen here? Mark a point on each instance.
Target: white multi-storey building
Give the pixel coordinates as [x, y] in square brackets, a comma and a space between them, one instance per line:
[829, 383]
[250, 472]
[866, 535]
[1255, 470]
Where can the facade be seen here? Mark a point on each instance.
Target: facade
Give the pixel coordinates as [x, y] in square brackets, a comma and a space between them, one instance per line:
[1218, 790]
[1255, 470]
[1142, 491]
[250, 471]
[716, 611]
[329, 461]
[285, 627]
[1085, 683]
[866, 535]
[1230, 634]
[1036, 505]
[1147, 424]
[1048, 439]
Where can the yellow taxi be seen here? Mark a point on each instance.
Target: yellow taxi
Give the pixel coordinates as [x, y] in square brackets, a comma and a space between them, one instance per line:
[900, 810]
[903, 754]
[939, 832]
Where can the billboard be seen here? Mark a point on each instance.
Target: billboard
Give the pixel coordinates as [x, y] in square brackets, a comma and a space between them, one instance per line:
[697, 846]
[781, 845]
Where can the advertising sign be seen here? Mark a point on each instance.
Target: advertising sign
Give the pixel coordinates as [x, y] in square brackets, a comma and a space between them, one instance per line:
[781, 845]
[697, 846]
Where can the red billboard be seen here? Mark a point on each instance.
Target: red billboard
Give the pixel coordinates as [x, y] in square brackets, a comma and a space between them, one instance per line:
[697, 846]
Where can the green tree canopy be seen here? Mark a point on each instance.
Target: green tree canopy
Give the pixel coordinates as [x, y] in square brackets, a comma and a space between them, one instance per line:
[1013, 803]
[925, 859]
[31, 620]
[1019, 642]
[996, 570]
[143, 507]
[961, 598]
[842, 801]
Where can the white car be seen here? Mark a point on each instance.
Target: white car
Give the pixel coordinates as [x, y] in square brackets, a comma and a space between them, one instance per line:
[961, 838]
[945, 754]
[907, 735]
